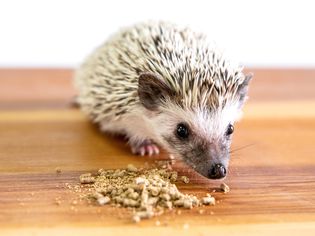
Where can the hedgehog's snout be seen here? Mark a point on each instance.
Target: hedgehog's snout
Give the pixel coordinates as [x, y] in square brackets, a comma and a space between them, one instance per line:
[217, 171]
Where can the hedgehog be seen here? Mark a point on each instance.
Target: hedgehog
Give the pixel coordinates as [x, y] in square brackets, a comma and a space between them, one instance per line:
[162, 85]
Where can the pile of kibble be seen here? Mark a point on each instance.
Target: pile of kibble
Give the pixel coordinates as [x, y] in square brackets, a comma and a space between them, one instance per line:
[147, 192]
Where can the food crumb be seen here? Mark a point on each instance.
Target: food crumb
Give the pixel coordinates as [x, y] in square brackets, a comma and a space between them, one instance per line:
[100, 171]
[140, 180]
[208, 200]
[225, 188]
[201, 211]
[132, 168]
[74, 202]
[136, 218]
[58, 170]
[157, 223]
[187, 204]
[174, 176]
[58, 201]
[185, 179]
[103, 200]
[87, 178]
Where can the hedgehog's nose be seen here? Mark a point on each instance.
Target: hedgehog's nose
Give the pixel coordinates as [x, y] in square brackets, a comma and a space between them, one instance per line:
[217, 171]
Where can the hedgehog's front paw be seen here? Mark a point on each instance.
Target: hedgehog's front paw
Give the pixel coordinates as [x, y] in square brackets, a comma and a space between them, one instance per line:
[145, 148]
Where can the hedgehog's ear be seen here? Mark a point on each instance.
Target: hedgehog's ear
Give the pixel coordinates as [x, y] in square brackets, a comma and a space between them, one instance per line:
[152, 91]
[243, 89]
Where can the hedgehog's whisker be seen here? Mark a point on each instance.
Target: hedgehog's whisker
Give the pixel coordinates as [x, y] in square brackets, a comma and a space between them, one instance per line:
[235, 157]
[238, 158]
[241, 148]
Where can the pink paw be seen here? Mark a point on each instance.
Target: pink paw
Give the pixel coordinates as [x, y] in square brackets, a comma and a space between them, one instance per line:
[145, 148]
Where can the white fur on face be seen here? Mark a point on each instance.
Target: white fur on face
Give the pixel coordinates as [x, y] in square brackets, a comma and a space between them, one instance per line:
[208, 125]
[214, 124]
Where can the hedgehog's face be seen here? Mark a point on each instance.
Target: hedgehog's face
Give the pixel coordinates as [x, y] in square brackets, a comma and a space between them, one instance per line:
[199, 136]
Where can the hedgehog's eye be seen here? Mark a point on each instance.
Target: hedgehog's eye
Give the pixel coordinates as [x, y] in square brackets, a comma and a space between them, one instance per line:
[182, 131]
[230, 129]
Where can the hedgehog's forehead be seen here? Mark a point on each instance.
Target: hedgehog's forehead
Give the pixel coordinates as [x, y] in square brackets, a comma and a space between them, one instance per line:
[207, 122]
[206, 91]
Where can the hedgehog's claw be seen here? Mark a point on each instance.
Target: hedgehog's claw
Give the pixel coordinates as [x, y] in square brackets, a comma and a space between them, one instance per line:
[145, 148]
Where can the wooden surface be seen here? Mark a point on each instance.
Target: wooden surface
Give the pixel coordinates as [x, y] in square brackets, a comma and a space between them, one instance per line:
[272, 179]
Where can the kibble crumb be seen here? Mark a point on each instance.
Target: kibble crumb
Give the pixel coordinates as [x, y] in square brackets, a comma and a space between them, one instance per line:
[58, 170]
[100, 171]
[208, 200]
[103, 200]
[136, 218]
[225, 188]
[140, 180]
[87, 178]
[58, 203]
[173, 176]
[132, 168]
[74, 202]
[201, 211]
[155, 191]
[185, 179]
[187, 204]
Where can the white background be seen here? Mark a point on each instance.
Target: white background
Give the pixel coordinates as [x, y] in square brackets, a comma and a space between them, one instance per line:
[55, 33]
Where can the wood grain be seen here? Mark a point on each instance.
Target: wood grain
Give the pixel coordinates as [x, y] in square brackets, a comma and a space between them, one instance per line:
[272, 179]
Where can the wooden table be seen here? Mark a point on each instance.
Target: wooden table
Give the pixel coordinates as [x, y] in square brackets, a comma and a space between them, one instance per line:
[272, 179]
